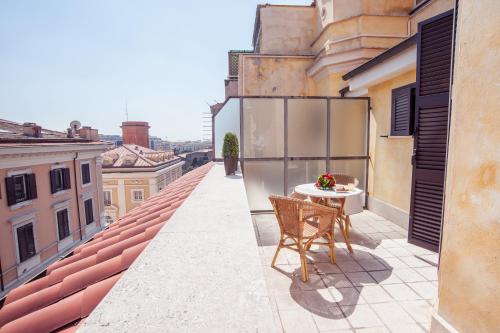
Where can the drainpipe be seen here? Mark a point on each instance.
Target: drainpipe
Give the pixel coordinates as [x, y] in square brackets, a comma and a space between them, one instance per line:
[77, 197]
[1, 276]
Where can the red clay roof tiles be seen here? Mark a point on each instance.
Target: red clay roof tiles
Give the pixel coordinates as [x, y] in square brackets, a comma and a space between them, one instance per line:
[74, 286]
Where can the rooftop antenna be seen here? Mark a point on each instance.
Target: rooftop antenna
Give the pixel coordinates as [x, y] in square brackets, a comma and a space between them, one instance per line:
[126, 110]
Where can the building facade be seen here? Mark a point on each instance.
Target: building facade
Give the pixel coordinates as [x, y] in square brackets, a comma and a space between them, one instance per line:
[50, 197]
[433, 121]
[132, 174]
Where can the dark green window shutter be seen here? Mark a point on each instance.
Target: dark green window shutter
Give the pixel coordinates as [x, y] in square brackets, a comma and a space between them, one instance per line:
[403, 110]
[11, 193]
[67, 178]
[31, 186]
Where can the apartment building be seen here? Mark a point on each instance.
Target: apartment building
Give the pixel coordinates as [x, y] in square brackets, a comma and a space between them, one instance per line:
[133, 173]
[408, 60]
[50, 196]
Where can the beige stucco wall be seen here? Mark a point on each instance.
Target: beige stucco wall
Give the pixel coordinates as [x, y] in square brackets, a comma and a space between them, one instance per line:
[469, 272]
[45, 229]
[433, 8]
[390, 158]
[274, 76]
[287, 29]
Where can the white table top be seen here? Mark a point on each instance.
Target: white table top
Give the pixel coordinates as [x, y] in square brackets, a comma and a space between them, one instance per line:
[311, 190]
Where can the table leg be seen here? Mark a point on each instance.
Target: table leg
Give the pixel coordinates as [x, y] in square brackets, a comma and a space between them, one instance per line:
[343, 227]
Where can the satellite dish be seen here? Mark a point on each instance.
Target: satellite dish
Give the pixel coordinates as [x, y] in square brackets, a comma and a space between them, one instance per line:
[75, 124]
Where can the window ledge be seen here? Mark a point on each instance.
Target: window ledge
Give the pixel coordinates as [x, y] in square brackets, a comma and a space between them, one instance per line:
[58, 193]
[21, 204]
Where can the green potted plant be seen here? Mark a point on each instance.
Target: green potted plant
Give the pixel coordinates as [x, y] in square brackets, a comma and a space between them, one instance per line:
[230, 152]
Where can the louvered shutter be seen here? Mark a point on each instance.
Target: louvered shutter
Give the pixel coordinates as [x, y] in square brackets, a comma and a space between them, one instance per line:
[52, 176]
[11, 193]
[31, 185]
[403, 109]
[434, 52]
[66, 179]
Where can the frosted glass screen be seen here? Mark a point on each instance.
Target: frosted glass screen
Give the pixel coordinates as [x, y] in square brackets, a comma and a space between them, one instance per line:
[356, 168]
[348, 127]
[226, 120]
[307, 127]
[302, 172]
[263, 123]
[263, 178]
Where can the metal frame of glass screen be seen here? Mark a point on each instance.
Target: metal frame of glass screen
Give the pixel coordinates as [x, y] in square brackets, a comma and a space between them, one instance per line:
[286, 158]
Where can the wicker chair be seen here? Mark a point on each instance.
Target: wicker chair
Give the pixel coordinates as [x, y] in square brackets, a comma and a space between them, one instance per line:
[297, 220]
[343, 179]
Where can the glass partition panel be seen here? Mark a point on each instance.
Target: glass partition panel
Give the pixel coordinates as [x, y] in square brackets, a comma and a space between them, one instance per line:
[356, 168]
[302, 172]
[307, 127]
[261, 179]
[263, 127]
[348, 127]
[226, 120]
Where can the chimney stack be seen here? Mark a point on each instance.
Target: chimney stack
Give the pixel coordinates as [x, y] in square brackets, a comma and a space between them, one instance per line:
[32, 130]
[89, 133]
[135, 133]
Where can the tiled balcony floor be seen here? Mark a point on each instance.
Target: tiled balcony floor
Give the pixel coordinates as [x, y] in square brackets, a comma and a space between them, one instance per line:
[386, 285]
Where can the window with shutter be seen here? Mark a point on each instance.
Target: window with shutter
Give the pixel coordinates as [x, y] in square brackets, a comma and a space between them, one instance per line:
[85, 173]
[89, 211]
[31, 185]
[56, 180]
[26, 242]
[107, 198]
[20, 188]
[403, 110]
[63, 224]
[66, 179]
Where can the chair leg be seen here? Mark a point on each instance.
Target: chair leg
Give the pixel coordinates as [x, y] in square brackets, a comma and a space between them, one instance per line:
[347, 224]
[303, 265]
[273, 264]
[331, 245]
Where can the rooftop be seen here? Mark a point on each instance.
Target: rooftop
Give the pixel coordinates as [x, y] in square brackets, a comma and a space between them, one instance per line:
[134, 156]
[208, 269]
[29, 133]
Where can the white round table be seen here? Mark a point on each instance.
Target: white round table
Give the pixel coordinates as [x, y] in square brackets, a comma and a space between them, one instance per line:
[347, 207]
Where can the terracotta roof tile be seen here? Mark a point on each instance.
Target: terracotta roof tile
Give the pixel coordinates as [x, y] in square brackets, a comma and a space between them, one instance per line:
[74, 286]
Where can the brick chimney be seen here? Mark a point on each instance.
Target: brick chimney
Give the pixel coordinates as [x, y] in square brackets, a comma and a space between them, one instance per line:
[32, 130]
[135, 133]
[89, 133]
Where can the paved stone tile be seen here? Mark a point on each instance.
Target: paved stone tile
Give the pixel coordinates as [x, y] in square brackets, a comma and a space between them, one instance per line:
[349, 266]
[382, 329]
[382, 253]
[388, 243]
[408, 275]
[334, 319]
[361, 316]
[336, 280]
[420, 310]
[425, 289]
[400, 252]
[385, 277]
[298, 321]
[289, 301]
[320, 257]
[392, 313]
[374, 294]
[401, 292]
[359, 279]
[371, 264]
[346, 296]
[318, 301]
[327, 268]
[394, 263]
[414, 262]
[430, 273]
[406, 328]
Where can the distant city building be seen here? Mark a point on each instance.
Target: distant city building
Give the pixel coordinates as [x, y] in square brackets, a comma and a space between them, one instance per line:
[50, 196]
[189, 146]
[159, 144]
[132, 174]
[196, 159]
[115, 139]
[135, 133]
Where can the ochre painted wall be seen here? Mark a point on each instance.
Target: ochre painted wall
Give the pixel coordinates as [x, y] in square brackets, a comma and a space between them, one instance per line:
[390, 158]
[434, 8]
[469, 273]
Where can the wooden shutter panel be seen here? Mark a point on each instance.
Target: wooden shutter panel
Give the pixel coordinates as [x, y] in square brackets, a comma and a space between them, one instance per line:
[52, 176]
[31, 186]
[434, 53]
[11, 193]
[403, 109]
[66, 178]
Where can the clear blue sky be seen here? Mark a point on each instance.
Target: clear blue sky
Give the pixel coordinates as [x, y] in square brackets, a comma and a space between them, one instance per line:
[83, 59]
